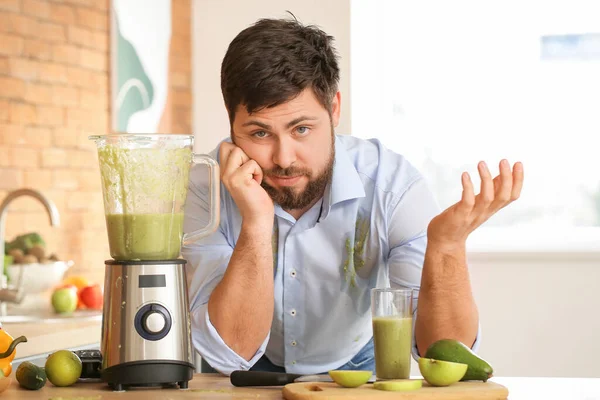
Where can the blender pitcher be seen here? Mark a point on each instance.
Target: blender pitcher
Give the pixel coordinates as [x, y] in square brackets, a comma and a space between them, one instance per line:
[144, 184]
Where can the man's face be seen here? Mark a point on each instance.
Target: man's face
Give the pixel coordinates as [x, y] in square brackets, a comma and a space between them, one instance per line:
[293, 143]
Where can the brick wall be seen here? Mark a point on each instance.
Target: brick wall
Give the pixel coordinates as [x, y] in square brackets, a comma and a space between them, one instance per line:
[54, 93]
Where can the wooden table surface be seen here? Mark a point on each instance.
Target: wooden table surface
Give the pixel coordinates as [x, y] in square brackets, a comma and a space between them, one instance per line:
[214, 386]
[203, 386]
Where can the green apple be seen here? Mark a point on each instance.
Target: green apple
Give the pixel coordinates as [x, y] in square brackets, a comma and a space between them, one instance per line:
[64, 300]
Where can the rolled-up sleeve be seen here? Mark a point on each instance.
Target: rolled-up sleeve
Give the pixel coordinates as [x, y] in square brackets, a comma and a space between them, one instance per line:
[409, 220]
[207, 260]
[213, 349]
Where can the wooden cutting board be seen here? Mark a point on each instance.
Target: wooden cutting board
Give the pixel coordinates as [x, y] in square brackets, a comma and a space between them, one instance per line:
[458, 391]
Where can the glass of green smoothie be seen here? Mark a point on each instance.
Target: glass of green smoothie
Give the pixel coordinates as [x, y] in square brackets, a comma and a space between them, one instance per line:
[144, 183]
[392, 331]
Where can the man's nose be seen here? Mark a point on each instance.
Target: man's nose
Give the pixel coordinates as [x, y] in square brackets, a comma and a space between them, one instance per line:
[285, 153]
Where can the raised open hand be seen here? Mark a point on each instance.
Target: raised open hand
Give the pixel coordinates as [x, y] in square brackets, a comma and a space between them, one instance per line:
[452, 227]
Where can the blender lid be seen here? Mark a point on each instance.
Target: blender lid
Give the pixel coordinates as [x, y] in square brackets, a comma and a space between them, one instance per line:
[136, 136]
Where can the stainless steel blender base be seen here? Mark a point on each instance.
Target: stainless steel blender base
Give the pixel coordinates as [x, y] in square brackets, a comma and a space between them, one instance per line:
[146, 331]
[148, 374]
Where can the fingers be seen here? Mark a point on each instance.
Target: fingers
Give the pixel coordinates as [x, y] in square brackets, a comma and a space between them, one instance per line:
[518, 176]
[468, 195]
[503, 185]
[250, 168]
[499, 192]
[237, 169]
[486, 196]
[231, 157]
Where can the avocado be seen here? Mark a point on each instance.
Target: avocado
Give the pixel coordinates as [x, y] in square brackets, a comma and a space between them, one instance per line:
[30, 376]
[455, 351]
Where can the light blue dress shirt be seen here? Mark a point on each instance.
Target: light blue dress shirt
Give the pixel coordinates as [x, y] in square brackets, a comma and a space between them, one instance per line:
[368, 230]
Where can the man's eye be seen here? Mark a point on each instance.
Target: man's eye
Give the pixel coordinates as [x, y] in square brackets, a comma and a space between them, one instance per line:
[302, 130]
[260, 134]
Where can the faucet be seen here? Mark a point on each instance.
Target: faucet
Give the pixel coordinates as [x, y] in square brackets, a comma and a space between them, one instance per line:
[16, 295]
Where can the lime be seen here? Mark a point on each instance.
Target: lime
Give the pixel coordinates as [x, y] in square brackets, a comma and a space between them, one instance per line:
[63, 368]
[399, 385]
[350, 379]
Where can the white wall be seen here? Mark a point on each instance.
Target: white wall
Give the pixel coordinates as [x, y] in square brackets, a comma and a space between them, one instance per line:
[216, 22]
[539, 313]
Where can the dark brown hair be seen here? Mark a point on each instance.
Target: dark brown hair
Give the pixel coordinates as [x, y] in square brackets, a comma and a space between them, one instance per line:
[273, 61]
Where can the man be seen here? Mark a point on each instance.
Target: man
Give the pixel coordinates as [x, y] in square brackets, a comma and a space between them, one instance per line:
[311, 221]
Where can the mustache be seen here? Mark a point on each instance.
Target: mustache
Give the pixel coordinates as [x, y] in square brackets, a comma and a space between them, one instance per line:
[291, 171]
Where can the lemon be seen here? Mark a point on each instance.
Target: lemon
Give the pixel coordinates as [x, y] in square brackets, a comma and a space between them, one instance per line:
[63, 368]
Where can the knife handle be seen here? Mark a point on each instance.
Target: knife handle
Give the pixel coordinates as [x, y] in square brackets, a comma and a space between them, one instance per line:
[260, 378]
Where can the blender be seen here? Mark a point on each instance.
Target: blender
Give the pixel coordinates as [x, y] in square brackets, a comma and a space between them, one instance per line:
[146, 331]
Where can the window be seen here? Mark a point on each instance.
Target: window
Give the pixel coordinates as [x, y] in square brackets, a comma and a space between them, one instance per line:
[447, 84]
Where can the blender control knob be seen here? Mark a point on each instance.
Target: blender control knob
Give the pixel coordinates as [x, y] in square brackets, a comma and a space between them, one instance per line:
[154, 322]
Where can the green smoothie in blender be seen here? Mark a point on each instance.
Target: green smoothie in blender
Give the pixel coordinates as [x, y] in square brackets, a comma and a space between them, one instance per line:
[144, 236]
[144, 194]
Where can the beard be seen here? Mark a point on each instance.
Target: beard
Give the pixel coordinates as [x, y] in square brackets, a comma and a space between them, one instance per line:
[287, 197]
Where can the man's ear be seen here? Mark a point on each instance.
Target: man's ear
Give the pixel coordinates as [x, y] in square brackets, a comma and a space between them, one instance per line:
[336, 104]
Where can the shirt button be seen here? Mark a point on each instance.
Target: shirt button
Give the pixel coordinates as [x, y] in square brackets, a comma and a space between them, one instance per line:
[293, 274]
[293, 343]
[293, 312]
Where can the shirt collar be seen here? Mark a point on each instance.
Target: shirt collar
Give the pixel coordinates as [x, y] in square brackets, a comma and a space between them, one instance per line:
[345, 182]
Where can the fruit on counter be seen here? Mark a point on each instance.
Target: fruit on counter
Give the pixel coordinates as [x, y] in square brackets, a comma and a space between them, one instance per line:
[455, 351]
[64, 300]
[441, 373]
[63, 368]
[79, 282]
[28, 248]
[8, 350]
[38, 251]
[349, 378]
[30, 376]
[25, 242]
[29, 259]
[17, 255]
[92, 297]
[399, 385]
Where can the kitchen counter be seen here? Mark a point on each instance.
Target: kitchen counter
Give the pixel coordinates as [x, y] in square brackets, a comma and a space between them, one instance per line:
[46, 334]
[215, 386]
[204, 386]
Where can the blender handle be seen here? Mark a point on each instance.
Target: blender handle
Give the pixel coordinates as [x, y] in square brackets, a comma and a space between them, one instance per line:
[214, 189]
